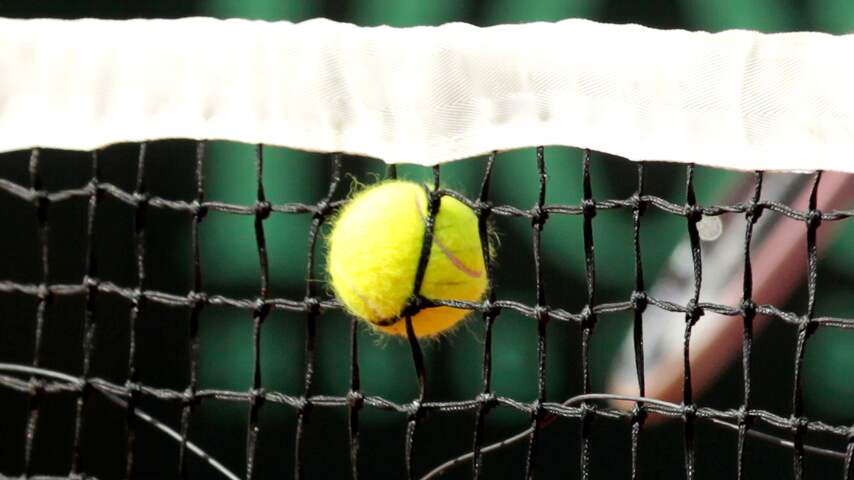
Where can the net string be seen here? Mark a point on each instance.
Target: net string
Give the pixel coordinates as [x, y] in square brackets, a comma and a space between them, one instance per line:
[41, 372]
[541, 316]
[434, 202]
[805, 329]
[589, 321]
[197, 298]
[313, 309]
[693, 214]
[639, 303]
[487, 397]
[136, 312]
[745, 422]
[40, 204]
[90, 283]
[259, 314]
[312, 305]
[355, 397]
[849, 458]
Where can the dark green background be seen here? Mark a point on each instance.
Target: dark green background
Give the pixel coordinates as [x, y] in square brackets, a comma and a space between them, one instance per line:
[230, 266]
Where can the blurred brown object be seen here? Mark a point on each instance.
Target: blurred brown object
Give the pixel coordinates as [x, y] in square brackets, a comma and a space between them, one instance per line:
[779, 264]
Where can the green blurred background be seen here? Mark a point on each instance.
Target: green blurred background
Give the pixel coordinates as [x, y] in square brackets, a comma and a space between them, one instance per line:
[231, 268]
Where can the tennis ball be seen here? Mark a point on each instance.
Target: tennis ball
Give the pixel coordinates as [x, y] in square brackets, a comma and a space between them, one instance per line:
[375, 247]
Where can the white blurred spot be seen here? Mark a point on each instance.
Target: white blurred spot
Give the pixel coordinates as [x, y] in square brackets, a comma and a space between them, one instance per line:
[710, 228]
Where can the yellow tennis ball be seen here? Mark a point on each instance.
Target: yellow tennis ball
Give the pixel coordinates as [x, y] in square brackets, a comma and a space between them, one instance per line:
[374, 249]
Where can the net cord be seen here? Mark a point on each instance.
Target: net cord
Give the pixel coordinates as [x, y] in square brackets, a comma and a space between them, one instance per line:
[426, 95]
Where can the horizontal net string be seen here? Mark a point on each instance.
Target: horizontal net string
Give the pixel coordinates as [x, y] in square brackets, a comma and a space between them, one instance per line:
[197, 299]
[425, 95]
[134, 199]
[554, 408]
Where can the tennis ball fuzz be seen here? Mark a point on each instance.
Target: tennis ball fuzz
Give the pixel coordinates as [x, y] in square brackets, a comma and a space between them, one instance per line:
[374, 250]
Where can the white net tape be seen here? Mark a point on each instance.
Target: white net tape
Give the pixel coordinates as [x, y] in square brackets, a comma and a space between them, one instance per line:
[426, 95]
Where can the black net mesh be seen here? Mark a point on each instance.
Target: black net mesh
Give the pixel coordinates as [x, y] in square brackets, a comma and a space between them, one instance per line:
[580, 437]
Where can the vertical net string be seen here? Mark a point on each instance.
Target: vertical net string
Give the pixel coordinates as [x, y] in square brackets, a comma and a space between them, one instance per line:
[89, 321]
[537, 223]
[638, 307]
[198, 303]
[487, 398]
[312, 306]
[434, 201]
[138, 305]
[259, 314]
[748, 313]
[805, 329]
[694, 214]
[588, 320]
[848, 467]
[355, 397]
[40, 203]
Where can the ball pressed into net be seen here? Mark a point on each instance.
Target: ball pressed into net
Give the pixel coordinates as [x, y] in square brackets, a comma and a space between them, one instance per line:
[374, 251]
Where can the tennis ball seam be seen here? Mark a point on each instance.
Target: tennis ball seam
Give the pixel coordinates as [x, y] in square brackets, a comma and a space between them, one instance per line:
[453, 258]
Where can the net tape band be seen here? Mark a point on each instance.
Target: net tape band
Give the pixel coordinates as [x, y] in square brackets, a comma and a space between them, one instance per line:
[426, 95]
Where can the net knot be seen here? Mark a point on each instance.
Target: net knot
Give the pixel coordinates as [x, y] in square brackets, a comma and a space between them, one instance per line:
[490, 308]
[90, 283]
[638, 204]
[689, 411]
[37, 387]
[197, 299]
[587, 409]
[133, 388]
[41, 200]
[43, 293]
[414, 409]
[748, 308]
[694, 213]
[483, 208]
[95, 189]
[138, 296]
[199, 209]
[586, 316]
[488, 400]
[588, 208]
[813, 219]
[263, 209]
[744, 416]
[257, 396]
[639, 301]
[188, 397]
[536, 408]
[84, 386]
[806, 326]
[753, 212]
[539, 217]
[262, 308]
[694, 311]
[639, 413]
[799, 425]
[323, 209]
[311, 305]
[140, 199]
[541, 313]
[414, 305]
[355, 398]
